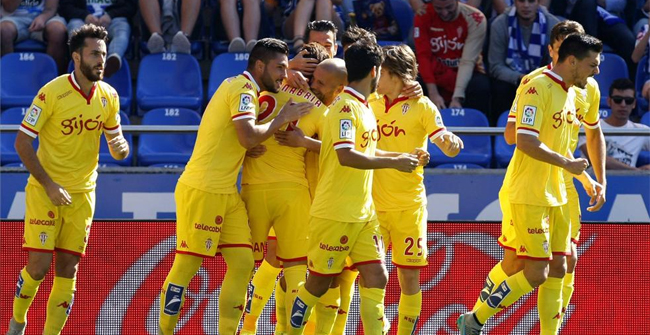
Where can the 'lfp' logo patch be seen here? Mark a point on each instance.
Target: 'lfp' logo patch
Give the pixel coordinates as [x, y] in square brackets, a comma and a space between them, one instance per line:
[173, 299]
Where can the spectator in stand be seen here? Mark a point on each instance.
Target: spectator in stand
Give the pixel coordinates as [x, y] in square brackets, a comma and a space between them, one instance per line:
[642, 49]
[613, 31]
[252, 18]
[36, 19]
[449, 37]
[489, 8]
[296, 23]
[519, 40]
[169, 24]
[583, 11]
[114, 15]
[622, 151]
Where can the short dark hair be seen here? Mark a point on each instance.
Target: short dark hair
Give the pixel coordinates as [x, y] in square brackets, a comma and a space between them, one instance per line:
[321, 25]
[316, 51]
[400, 61]
[354, 34]
[579, 46]
[360, 58]
[265, 50]
[565, 28]
[621, 84]
[78, 37]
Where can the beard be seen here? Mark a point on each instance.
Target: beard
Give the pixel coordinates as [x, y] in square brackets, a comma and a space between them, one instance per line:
[268, 82]
[89, 73]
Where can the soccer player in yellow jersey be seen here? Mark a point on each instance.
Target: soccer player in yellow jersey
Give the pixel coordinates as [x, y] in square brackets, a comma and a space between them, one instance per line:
[343, 217]
[276, 193]
[210, 213]
[68, 115]
[545, 114]
[587, 105]
[404, 125]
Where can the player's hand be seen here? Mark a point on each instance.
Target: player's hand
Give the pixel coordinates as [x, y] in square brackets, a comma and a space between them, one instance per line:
[91, 19]
[406, 162]
[645, 167]
[118, 145]
[422, 155]
[291, 138]
[438, 100]
[38, 24]
[293, 111]
[256, 151]
[597, 197]
[105, 21]
[455, 103]
[297, 80]
[412, 89]
[577, 166]
[303, 64]
[451, 143]
[58, 195]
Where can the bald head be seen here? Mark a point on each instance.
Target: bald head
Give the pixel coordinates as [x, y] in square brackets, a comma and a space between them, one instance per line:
[329, 79]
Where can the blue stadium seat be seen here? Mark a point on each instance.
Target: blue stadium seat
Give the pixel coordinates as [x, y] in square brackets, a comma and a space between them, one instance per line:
[404, 16]
[478, 149]
[612, 67]
[8, 154]
[456, 166]
[121, 82]
[639, 80]
[105, 157]
[503, 151]
[223, 66]
[169, 80]
[644, 156]
[645, 119]
[30, 45]
[168, 166]
[23, 74]
[167, 148]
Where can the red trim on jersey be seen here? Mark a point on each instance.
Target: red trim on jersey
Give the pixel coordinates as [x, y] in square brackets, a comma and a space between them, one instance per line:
[312, 272]
[378, 261]
[343, 142]
[591, 124]
[350, 268]
[221, 246]
[192, 254]
[574, 241]
[242, 114]
[272, 238]
[529, 129]
[69, 252]
[560, 82]
[73, 82]
[512, 116]
[114, 128]
[28, 128]
[352, 92]
[409, 266]
[395, 102]
[435, 132]
[505, 247]
[38, 250]
[562, 253]
[291, 259]
[535, 258]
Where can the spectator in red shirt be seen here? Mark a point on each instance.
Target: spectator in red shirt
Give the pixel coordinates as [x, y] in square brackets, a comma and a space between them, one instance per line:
[448, 42]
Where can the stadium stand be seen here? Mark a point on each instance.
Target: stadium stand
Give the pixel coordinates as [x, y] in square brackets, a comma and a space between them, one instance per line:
[612, 67]
[639, 80]
[502, 151]
[223, 66]
[167, 148]
[30, 45]
[456, 166]
[105, 155]
[604, 112]
[8, 154]
[478, 149]
[23, 74]
[644, 156]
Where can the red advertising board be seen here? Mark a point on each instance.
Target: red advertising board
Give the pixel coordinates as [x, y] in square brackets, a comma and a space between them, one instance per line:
[126, 263]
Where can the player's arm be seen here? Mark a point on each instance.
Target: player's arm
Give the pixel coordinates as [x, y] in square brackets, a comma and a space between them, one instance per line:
[117, 145]
[595, 190]
[57, 194]
[597, 153]
[355, 159]
[296, 138]
[449, 144]
[533, 147]
[250, 134]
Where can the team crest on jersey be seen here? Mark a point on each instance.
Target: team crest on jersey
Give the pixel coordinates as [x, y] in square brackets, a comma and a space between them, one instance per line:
[529, 115]
[104, 102]
[246, 103]
[346, 129]
[43, 237]
[545, 246]
[208, 244]
[330, 262]
[33, 115]
[405, 108]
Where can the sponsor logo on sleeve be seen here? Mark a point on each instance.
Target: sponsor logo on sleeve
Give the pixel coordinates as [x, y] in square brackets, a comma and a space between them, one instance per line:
[173, 299]
[528, 116]
[298, 313]
[346, 129]
[439, 121]
[33, 115]
[246, 103]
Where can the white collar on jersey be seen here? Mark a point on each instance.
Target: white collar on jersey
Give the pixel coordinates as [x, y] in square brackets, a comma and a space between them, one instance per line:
[355, 94]
[250, 77]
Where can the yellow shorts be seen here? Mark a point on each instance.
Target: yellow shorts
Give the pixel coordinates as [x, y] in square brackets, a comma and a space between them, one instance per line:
[575, 215]
[331, 242]
[207, 221]
[406, 232]
[285, 207]
[61, 228]
[507, 240]
[541, 231]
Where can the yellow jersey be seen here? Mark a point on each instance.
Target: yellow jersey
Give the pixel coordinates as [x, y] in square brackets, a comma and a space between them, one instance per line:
[282, 163]
[545, 109]
[218, 155]
[69, 125]
[403, 125]
[524, 80]
[343, 193]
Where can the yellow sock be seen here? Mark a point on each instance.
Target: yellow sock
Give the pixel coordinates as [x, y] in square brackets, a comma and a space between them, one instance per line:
[326, 310]
[568, 286]
[549, 305]
[495, 277]
[263, 283]
[172, 295]
[409, 312]
[346, 286]
[294, 278]
[503, 295]
[280, 309]
[301, 310]
[25, 292]
[232, 298]
[372, 309]
[59, 305]
[310, 327]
